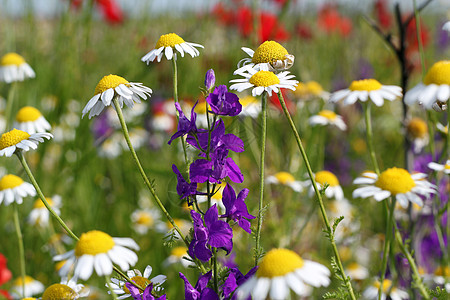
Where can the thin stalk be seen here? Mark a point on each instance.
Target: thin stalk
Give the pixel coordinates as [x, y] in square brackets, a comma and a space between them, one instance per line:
[216, 272]
[448, 206]
[108, 284]
[419, 37]
[387, 243]
[144, 176]
[10, 104]
[430, 124]
[347, 282]
[416, 275]
[261, 173]
[20, 244]
[42, 197]
[369, 136]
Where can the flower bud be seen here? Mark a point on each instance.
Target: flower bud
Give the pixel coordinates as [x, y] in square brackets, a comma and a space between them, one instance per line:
[210, 79]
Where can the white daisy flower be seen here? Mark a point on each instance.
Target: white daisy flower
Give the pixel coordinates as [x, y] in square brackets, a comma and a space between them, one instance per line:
[32, 287]
[97, 250]
[269, 56]
[39, 215]
[145, 219]
[395, 182]
[280, 271]
[263, 81]
[395, 294]
[442, 129]
[67, 290]
[18, 140]
[367, 89]
[13, 67]
[111, 86]
[434, 92]
[334, 190]
[287, 179]
[14, 189]
[356, 271]
[417, 132]
[440, 168]
[30, 120]
[446, 26]
[310, 90]
[251, 106]
[119, 288]
[179, 255]
[167, 44]
[328, 117]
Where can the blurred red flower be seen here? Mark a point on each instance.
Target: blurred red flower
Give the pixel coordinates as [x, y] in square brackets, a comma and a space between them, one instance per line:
[276, 102]
[6, 294]
[382, 14]
[224, 15]
[330, 21]
[109, 8]
[5, 274]
[303, 31]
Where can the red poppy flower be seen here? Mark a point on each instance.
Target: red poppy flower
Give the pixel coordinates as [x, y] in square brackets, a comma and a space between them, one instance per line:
[223, 15]
[382, 14]
[111, 10]
[276, 102]
[6, 294]
[5, 274]
[304, 31]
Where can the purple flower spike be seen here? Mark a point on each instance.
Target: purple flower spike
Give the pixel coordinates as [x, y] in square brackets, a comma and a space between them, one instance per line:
[235, 207]
[200, 292]
[210, 79]
[185, 125]
[234, 280]
[146, 295]
[184, 189]
[223, 102]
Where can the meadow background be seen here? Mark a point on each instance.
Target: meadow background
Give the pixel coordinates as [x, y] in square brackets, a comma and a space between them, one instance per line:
[72, 50]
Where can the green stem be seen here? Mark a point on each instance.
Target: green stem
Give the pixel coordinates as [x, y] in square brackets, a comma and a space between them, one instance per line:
[216, 273]
[20, 244]
[387, 243]
[430, 124]
[108, 284]
[346, 279]
[144, 176]
[261, 174]
[416, 275]
[369, 136]
[42, 197]
[9, 105]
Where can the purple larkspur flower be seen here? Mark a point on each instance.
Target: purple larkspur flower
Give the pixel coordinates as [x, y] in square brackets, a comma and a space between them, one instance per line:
[421, 163]
[216, 233]
[210, 79]
[184, 189]
[234, 280]
[185, 125]
[200, 291]
[235, 207]
[224, 103]
[101, 127]
[146, 295]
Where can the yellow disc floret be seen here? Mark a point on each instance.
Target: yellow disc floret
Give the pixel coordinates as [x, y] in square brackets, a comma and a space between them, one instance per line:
[279, 262]
[12, 59]
[439, 73]
[93, 242]
[386, 285]
[9, 182]
[284, 177]
[28, 114]
[396, 181]
[248, 100]
[140, 281]
[169, 40]
[328, 114]
[144, 218]
[417, 128]
[327, 177]
[109, 82]
[365, 85]
[59, 291]
[264, 78]
[19, 281]
[39, 204]
[12, 138]
[268, 52]
[179, 251]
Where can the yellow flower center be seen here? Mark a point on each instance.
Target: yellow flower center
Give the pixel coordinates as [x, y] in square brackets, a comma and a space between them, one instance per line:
[179, 222]
[447, 166]
[59, 265]
[386, 285]
[417, 128]
[59, 291]
[140, 281]
[179, 251]
[109, 82]
[9, 182]
[268, 52]
[396, 181]
[284, 177]
[169, 40]
[93, 242]
[12, 137]
[279, 262]
[39, 204]
[19, 281]
[353, 266]
[365, 85]
[327, 177]
[264, 78]
[345, 253]
[248, 100]
[218, 194]
[29, 298]
[145, 218]
[442, 271]
[12, 59]
[201, 108]
[328, 114]
[439, 73]
[28, 114]
[314, 88]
